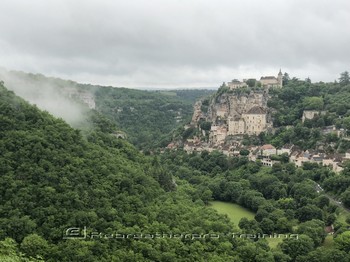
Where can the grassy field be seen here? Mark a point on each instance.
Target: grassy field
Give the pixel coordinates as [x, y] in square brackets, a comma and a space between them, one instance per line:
[342, 216]
[328, 242]
[233, 211]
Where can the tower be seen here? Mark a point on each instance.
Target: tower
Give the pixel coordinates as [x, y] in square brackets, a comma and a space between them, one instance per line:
[280, 79]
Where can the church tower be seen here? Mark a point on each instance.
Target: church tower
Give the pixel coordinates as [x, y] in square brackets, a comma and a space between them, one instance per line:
[280, 79]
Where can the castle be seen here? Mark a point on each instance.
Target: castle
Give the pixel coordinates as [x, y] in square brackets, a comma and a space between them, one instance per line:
[265, 81]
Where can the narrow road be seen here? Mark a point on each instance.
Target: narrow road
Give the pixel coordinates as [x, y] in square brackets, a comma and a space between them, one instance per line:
[338, 203]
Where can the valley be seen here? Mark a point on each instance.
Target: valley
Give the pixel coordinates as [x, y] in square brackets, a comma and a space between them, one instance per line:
[87, 174]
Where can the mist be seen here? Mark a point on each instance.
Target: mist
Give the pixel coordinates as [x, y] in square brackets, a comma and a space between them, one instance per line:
[47, 94]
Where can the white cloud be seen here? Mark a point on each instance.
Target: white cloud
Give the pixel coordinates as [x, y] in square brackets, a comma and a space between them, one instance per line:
[175, 42]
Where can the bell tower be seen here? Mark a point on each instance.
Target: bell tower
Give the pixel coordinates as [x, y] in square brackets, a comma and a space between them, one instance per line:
[280, 79]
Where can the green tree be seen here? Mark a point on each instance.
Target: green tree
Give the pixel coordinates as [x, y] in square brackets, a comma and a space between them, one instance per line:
[313, 103]
[297, 247]
[33, 245]
[314, 229]
[251, 82]
[285, 79]
[244, 152]
[205, 125]
[267, 226]
[344, 78]
[309, 212]
[207, 195]
[345, 197]
[342, 241]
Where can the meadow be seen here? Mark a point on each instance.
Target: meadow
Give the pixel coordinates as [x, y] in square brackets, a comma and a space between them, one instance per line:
[234, 211]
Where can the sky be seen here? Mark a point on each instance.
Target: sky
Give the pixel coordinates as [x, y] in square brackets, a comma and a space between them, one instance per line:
[175, 43]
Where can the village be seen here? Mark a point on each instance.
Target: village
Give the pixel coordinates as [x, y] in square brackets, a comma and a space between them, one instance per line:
[232, 117]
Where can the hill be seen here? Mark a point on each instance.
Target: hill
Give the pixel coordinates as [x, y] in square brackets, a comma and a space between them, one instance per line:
[146, 117]
[53, 179]
[309, 116]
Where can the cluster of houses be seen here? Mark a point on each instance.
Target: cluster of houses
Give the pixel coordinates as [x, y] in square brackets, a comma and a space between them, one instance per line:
[268, 154]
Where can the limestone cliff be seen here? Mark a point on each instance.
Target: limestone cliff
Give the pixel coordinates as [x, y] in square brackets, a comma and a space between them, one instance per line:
[232, 105]
[234, 113]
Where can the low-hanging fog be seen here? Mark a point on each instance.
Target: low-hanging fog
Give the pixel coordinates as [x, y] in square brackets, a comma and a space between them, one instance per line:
[47, 94]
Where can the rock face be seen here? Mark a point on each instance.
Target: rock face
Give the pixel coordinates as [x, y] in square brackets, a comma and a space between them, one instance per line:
[235, 114]
[310, 114]
[197, 113]
[231, 105]
[84, 96]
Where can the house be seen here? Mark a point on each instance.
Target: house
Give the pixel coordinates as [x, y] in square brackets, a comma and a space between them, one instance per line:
[217, 133]
[267, 161]
[286, 149]
[234, 84]
[267, 150]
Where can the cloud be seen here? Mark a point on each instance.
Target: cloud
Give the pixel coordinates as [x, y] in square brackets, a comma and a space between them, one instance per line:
[175, 42]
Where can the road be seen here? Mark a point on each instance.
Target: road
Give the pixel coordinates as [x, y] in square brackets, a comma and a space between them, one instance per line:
[338, 203]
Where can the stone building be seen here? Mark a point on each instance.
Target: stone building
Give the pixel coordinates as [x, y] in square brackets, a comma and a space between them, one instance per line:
[272, 81]
[218, 134]
[252, 122]
[310, 114]
[234, 84]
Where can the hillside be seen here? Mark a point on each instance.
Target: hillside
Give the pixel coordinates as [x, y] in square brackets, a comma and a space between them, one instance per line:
[53, 179]
[310, 116]
[145, 118]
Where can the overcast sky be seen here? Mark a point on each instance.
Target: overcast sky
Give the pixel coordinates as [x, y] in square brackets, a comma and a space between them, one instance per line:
[175, 43]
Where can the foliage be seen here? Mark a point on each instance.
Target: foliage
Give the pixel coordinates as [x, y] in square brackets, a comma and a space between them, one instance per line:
[289, 102]
[53, 178]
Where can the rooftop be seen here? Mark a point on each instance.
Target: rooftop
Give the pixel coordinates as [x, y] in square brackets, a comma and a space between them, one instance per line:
[257, 110]
[267, 146]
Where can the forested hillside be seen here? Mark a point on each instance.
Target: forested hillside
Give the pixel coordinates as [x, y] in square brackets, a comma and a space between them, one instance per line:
[147, 118]
[329, 129]
[52, 179]
[285, 200]
[331, 100]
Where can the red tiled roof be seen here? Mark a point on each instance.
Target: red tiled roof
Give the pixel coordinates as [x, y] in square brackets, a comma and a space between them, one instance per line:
[267, 146]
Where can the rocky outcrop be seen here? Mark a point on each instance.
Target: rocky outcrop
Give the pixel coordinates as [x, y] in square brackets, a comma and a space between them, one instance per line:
[234, 105]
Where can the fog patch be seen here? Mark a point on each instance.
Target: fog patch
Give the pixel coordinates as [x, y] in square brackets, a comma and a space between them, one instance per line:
[47, 94]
